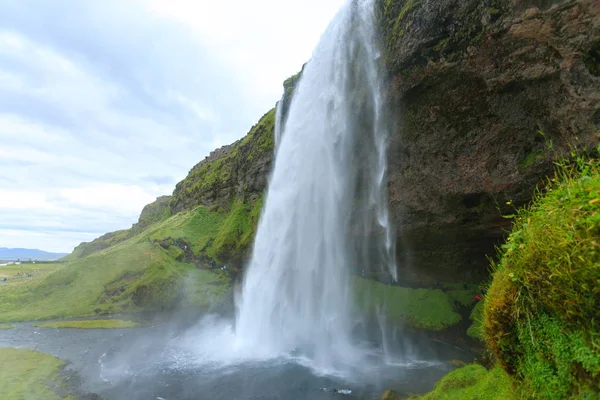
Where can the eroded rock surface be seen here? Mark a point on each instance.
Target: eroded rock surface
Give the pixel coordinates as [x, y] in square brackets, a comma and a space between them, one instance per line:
[473, 85]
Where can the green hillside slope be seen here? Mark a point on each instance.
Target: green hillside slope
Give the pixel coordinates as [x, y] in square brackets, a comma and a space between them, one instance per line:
[164, 266]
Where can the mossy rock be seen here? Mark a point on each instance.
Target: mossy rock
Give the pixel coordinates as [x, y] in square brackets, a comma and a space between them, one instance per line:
[473, 382]
[541, 312]
[429, 309]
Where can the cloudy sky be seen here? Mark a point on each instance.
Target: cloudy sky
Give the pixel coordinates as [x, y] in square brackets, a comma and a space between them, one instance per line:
[107, 104]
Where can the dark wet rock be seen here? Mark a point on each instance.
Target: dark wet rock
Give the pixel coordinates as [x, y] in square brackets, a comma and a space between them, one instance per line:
[472, 85]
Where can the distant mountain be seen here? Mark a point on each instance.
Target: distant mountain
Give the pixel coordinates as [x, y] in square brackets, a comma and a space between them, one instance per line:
[26, 254]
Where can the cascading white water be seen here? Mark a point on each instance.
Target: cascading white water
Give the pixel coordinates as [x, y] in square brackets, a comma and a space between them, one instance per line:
[326, 211]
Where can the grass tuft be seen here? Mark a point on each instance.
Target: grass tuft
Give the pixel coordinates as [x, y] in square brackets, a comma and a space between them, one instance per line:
[476, 329]
[90, 324]
[473, 382]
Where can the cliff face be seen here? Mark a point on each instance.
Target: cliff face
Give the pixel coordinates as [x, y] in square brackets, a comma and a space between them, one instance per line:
[471, 85]
[485, 95]
[238, 171]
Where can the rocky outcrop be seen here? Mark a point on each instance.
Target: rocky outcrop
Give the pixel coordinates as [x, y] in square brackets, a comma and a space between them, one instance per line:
[235, 172]
[154, 212]
[485, 96]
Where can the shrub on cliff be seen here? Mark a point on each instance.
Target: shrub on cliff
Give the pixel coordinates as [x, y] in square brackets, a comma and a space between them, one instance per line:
[542, 314]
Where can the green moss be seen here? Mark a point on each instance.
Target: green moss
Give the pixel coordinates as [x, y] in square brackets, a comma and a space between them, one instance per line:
[289, 86]
[90, 324]
[6, 326]
[196, 228]
[555, 356]
[473, 382]
[476, 329]
[463, 297]
[237, 230]
[154, 212]
[27, 374]
[208, 178]
[541, 310]
[429, 309]
[530, 159]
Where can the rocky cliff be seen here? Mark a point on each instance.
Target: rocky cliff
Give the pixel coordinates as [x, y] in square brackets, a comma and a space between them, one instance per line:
[485, 95]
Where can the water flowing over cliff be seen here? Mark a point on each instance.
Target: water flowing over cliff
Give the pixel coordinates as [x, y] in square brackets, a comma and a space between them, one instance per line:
[326, 212]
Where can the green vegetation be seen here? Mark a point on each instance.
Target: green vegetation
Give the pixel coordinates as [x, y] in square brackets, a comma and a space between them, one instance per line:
[210, 178]
[430, 309]
[530, 159]
[6, 326]
[393, 15]
[169, 258]
[476, 329]
[541, 314]
[27, 374]
[25, 274]
[149, 271]
[197, 228]
[289, 85]
[155, 212]
[464, 297]
[237, 231]
[473, 382]
[90, 324]
[103, 242]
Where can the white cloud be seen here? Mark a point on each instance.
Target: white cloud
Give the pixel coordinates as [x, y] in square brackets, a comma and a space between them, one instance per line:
[109, 196]
[106, 105]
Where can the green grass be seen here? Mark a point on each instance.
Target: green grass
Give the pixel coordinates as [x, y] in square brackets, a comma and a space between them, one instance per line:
[17, 275]
[197, 228]
[476, 329]
[530, 159]
[541, 316]
[90, 324]
[6, 326]
[27, 374]
[144, 272]
[473, 382]
[430, 309]
[463, 297]
[237, 231]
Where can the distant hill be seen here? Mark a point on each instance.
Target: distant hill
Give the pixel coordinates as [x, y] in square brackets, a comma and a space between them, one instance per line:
[26, 254]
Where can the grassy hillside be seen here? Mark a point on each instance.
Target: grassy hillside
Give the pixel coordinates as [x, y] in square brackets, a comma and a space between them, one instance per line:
[173, 256]
[170, 263]
[27, 374]
[541, 315]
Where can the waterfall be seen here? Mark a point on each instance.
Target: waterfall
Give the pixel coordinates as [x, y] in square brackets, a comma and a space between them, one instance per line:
[325, 216]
